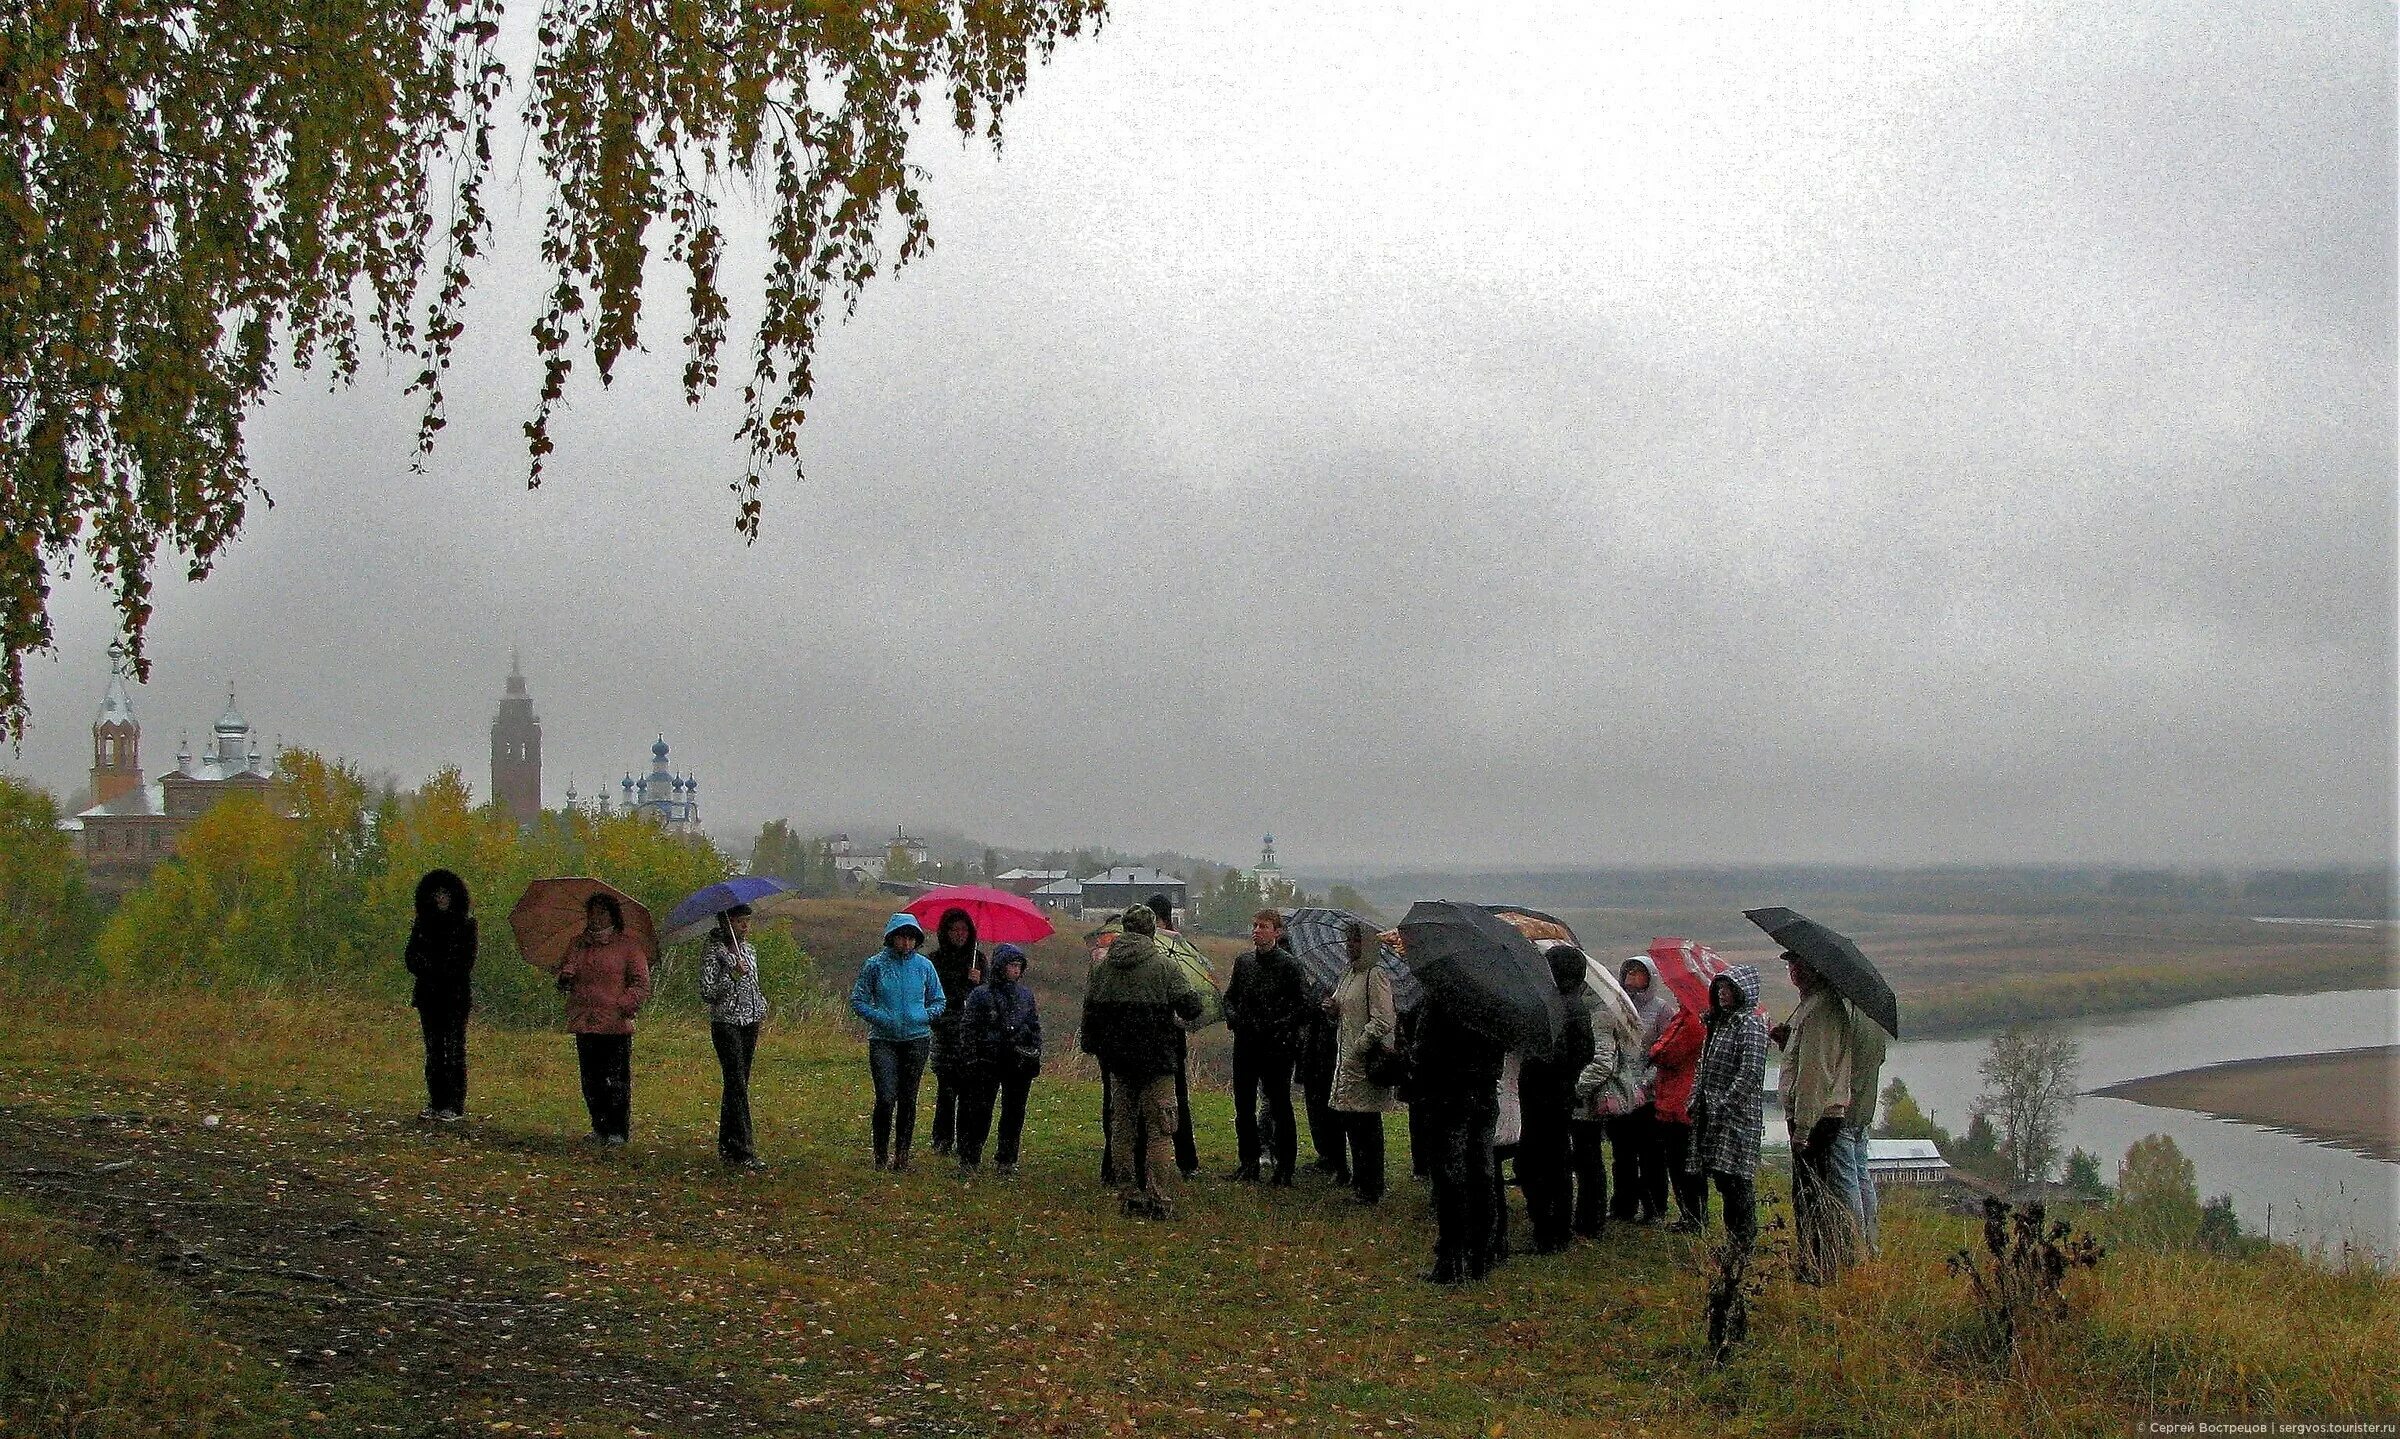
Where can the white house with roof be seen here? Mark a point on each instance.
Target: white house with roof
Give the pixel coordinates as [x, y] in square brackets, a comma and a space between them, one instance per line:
[1906, 1161]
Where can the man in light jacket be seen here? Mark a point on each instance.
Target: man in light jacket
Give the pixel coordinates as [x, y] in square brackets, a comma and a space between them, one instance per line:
[1815, 1081]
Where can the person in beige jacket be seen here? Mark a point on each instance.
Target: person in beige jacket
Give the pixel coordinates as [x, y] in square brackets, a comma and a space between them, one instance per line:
[1369, 1022]
[1815, 1082]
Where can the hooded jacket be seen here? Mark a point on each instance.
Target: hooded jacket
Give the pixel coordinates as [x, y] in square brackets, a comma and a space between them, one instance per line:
[1546, 1085]
[1131, 1006]
[898, 995]
[1652, 1008]
[960, 969]
[1000, 1030]
[1268, 1000]
[441, 947]
[1731, 1089]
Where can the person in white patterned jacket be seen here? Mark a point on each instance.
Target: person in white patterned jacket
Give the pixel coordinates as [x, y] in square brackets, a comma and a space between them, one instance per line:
[736, 1008]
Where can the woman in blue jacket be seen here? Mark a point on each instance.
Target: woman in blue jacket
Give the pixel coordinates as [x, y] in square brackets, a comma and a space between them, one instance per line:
[899, 996]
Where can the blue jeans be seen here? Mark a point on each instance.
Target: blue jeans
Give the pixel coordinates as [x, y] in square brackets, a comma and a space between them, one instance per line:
[1857, 1186]
[1866, 1185]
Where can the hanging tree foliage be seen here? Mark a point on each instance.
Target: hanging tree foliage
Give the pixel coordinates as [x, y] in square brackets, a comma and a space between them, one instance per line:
[197, 194]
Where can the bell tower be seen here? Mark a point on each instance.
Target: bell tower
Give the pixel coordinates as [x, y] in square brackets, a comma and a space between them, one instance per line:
[116, 737]
[517, 751]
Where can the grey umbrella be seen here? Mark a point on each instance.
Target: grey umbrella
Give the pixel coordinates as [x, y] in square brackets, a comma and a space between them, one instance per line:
[1468, 957]
[1317, 936]
[1834, 956]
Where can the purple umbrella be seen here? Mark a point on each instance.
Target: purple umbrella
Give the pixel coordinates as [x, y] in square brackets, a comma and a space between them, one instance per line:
[694, 913]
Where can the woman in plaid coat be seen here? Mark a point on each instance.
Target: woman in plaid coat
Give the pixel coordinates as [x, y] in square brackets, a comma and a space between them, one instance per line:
[1728, 1101]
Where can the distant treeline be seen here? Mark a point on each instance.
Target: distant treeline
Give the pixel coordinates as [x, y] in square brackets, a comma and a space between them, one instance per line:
[2344, 892]
[2123, 989]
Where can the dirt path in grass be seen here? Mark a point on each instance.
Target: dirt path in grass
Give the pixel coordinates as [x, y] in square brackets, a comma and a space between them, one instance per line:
[384, 1328]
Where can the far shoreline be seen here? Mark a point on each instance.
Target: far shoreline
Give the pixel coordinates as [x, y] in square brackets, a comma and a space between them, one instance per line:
[2345, 1098]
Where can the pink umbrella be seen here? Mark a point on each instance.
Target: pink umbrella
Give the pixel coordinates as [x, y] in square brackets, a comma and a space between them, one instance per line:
[1000, 917]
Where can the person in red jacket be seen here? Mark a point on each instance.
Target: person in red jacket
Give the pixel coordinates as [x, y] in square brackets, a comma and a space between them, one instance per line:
[606, 979]
[1675, 1060]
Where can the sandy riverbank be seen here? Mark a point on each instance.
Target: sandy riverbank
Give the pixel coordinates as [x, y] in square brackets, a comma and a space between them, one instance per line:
[2347, 1097]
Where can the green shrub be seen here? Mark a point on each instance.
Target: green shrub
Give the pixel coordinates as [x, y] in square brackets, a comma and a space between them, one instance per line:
[47, 920]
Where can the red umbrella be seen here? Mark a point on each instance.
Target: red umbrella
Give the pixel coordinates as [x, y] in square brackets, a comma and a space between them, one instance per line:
[1687, 966]
[1000, 917]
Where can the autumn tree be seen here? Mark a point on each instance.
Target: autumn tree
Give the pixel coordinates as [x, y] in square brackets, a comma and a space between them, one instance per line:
[199, 195]
[2030, 1086]
[46, 915]
[2158, 1194]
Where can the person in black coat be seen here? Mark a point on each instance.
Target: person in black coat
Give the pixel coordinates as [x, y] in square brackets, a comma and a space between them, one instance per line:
[1546, 1093]
[960, 964]
[1269, 1008]
[1454, 1081]
[441, 956]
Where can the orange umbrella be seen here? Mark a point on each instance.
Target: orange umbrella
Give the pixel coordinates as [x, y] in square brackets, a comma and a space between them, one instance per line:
[550, 914]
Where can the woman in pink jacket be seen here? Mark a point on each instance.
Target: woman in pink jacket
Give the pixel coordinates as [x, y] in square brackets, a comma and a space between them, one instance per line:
[606, 977]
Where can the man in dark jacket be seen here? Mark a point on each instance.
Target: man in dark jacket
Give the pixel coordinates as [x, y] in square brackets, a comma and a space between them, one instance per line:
[1455, 1082]
[1000, 1053]
[1546, 1097]
[1269, 1009]
[441, 955]
[1131, 1010]
[960, 965]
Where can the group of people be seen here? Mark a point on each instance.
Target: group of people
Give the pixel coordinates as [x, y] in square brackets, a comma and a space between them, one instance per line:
[1677, 1102]
[1666, 1102]
[985, 1051]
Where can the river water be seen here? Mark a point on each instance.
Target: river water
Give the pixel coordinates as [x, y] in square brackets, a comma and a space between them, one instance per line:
[2292, 1188]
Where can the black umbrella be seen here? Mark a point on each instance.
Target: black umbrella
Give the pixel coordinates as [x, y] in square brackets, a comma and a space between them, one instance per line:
[1319, 936]
[1834, 956]
[1470, 958]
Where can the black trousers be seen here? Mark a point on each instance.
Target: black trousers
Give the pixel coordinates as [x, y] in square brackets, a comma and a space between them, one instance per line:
[946, 1083]
[735, 1045]
[1588, 1138]
[1641, 1167]
[1187, 1148]
[445, 1059]
[1363, 1134]
[898, 1068]
[1544, 1168]
[1821, 1216]
[1263, 1070]
[976, 1095]
[1422, 1143]
[1326, 1131]
[1740, 1194]
[1463, 1180]
[606, 1064]
[1690, 1189]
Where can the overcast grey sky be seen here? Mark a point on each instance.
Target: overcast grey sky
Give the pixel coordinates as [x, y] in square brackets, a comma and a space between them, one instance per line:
[1460, 434]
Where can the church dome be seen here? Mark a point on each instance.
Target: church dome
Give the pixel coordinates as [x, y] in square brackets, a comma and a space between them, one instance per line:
[658, 751]
[231, 722]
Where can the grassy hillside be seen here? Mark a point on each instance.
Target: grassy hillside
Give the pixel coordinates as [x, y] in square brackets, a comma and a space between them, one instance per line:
[315, 1253]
